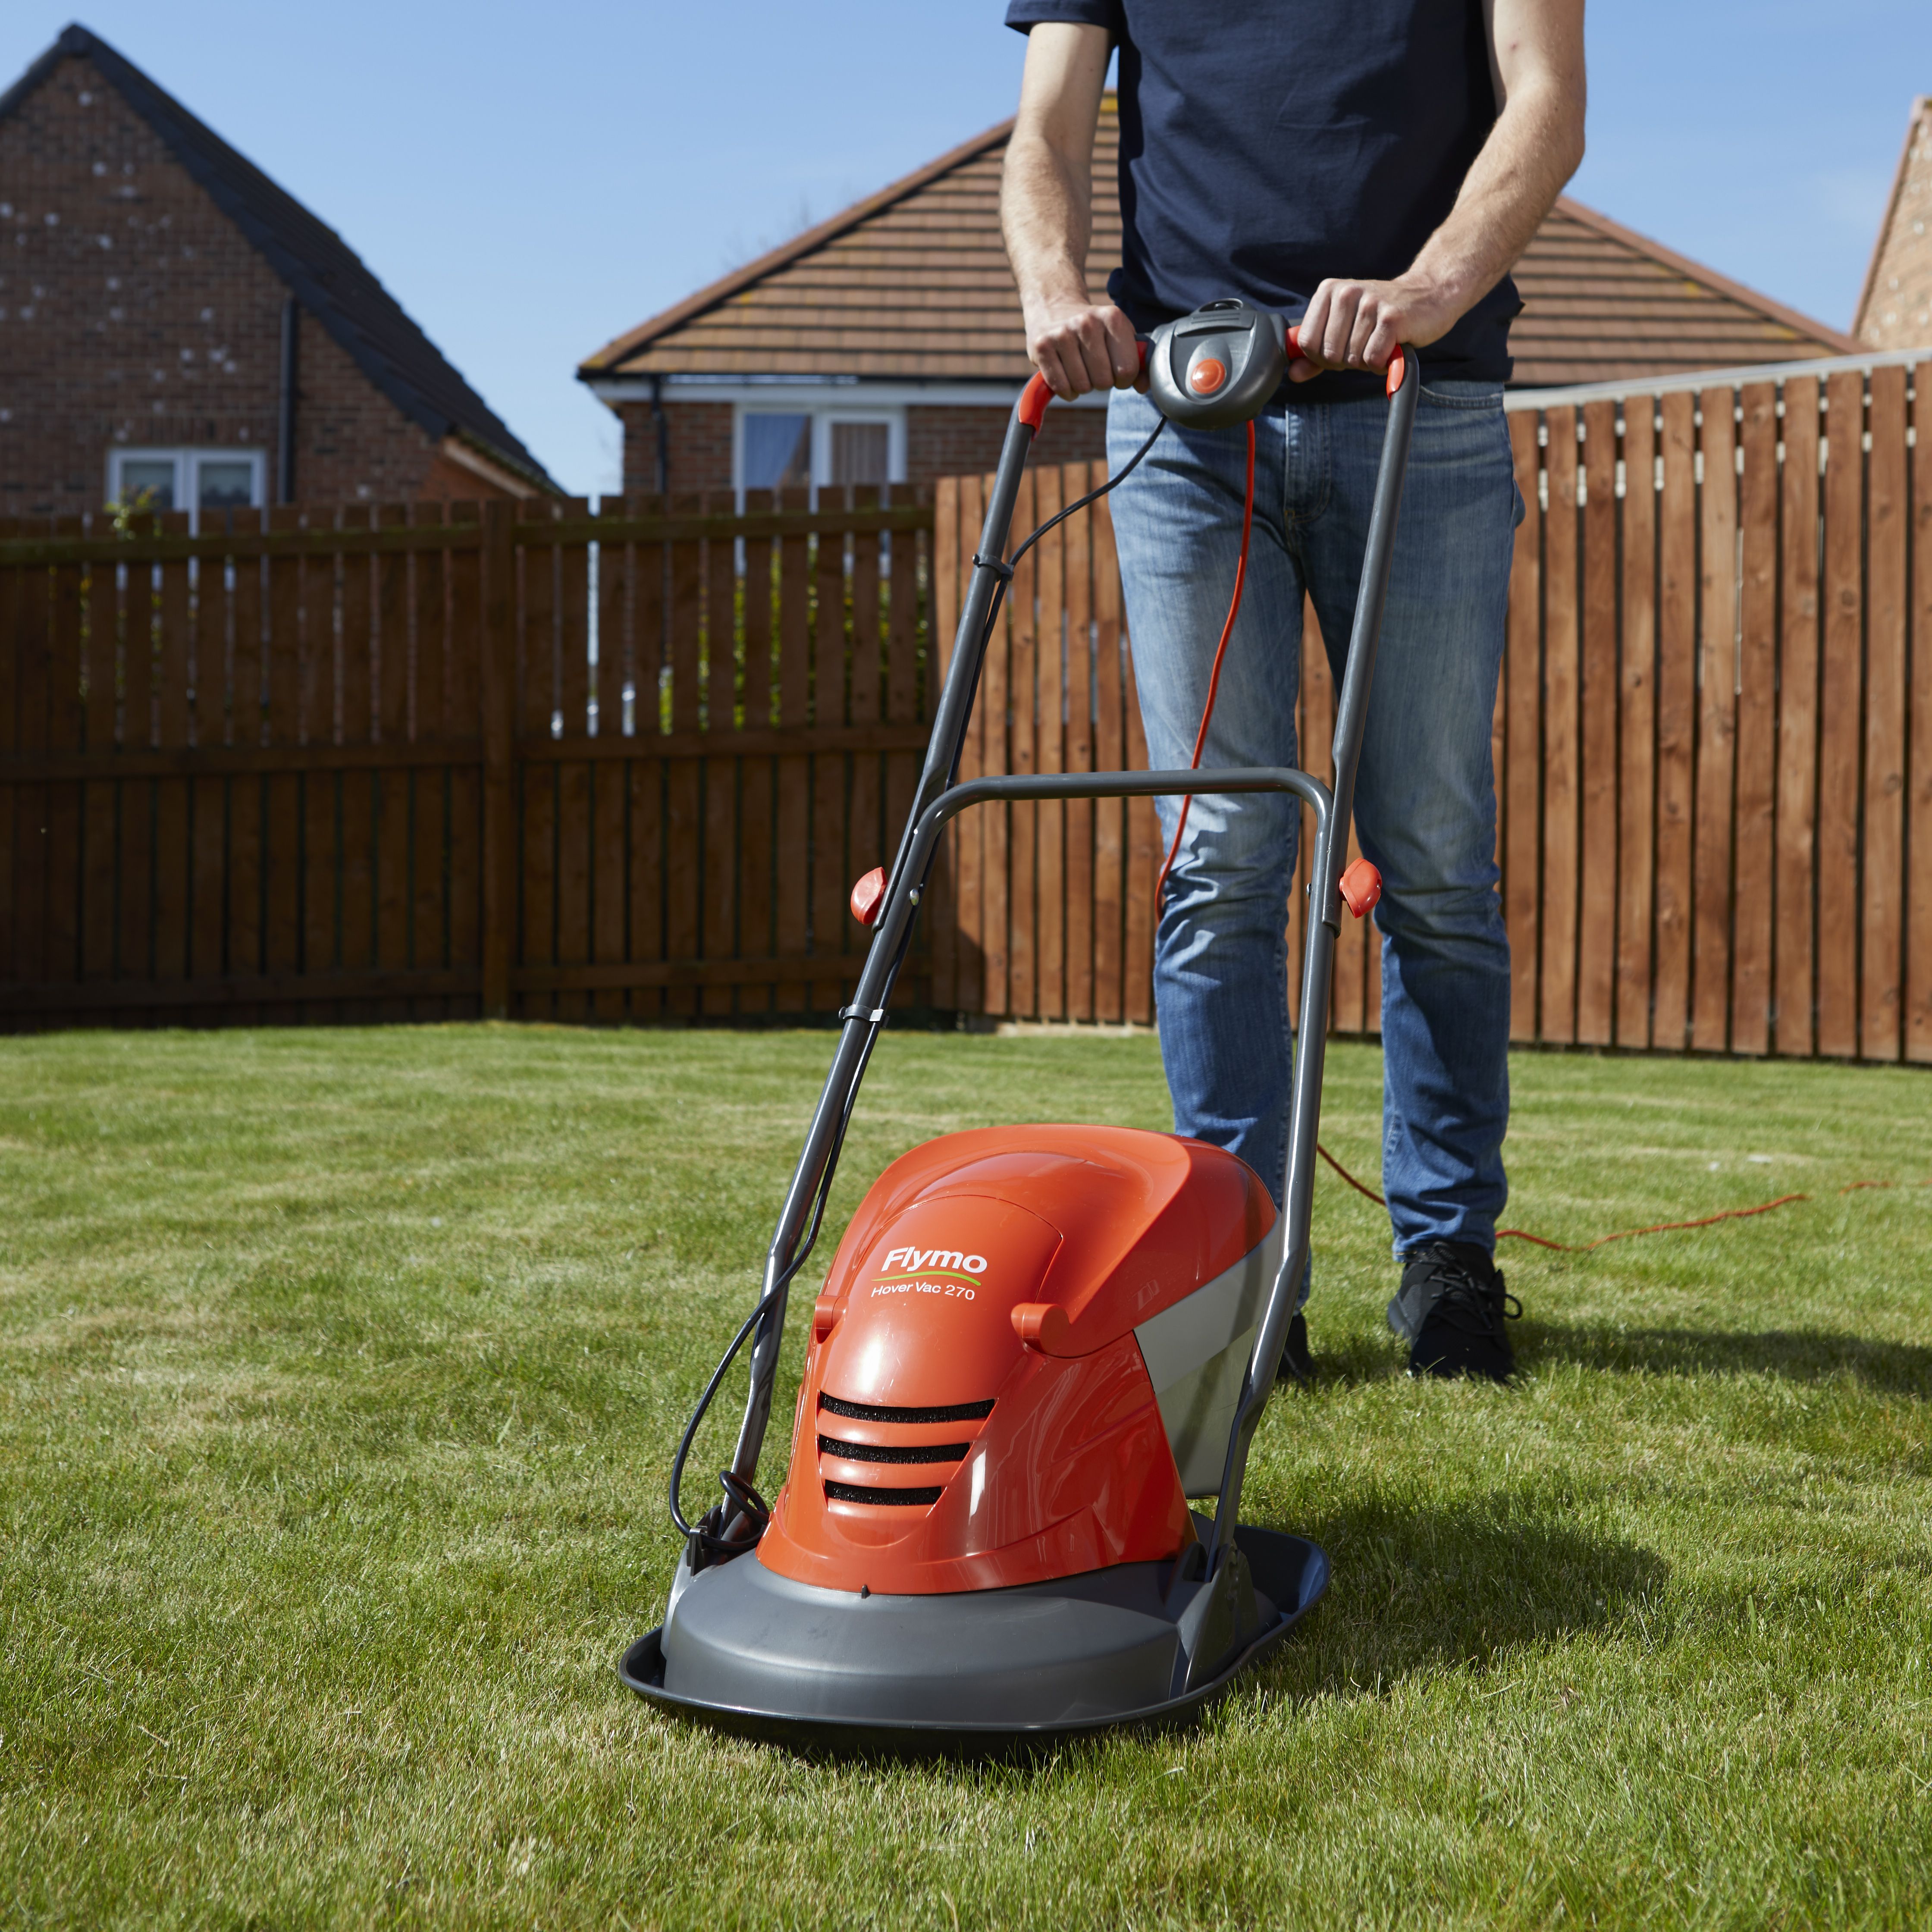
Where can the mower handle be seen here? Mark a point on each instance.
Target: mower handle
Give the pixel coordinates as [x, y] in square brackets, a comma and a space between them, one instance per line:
[938, 797]
[1031, 409]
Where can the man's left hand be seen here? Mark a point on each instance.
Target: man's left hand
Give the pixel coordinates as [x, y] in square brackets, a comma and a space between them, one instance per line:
[1360, 324]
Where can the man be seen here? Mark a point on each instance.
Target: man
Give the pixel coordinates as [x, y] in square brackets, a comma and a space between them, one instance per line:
[1371, 171]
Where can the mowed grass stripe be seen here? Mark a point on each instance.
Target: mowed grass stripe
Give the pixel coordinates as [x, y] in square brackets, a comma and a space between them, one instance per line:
[339, 1373]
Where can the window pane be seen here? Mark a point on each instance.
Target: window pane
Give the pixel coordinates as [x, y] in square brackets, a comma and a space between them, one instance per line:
[778, 451]
[858, 451]
[148, 482]
[225, 484]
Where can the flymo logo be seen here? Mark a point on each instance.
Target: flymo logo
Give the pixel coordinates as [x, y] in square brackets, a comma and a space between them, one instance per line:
[950, 1269]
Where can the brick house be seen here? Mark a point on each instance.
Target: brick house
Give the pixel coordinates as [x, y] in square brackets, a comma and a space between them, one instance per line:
[172, 323]
[885, 345]
[1895, 305]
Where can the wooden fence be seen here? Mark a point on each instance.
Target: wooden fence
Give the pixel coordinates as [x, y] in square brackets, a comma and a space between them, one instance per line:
[525, 760]
[1715, 727]
[1713, 735]
[533, 761]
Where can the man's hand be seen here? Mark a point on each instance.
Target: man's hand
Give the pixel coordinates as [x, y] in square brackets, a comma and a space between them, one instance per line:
[1361, 325]
[1080, 345]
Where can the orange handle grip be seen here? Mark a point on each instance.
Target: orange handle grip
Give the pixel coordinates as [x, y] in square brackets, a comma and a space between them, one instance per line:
[1035, 396]
[1398, 363]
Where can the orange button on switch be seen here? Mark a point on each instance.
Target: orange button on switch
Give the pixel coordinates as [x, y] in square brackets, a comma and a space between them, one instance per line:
[1206, 376]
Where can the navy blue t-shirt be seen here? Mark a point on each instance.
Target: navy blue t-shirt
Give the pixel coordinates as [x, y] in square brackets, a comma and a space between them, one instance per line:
[1266, 145]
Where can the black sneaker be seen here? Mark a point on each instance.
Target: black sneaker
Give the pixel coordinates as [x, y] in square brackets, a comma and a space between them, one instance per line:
[1451, 1310]
[1298, 1365]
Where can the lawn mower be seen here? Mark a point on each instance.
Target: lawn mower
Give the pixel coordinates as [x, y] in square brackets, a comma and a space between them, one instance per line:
[1035, 1344]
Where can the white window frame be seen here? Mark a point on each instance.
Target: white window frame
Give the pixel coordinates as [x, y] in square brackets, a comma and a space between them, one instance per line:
[187, 470]
[823, 418]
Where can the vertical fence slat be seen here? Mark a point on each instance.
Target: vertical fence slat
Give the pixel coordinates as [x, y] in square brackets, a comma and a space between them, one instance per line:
[248, 796]
[207, 683]
[951, 915]
[32, 633]
[1676, 719]
[1557, 1018]
[757, 933]
[829, 884]
[1023, 728]
[1523, 676]
[1079, 477]
[428, 791]
[101, 796]
[868, 664]
[172, 874]
[1840, 702]
[1716, 731]
[995, 903]
[1049, 753]
[681, 808]
[464, 646]
[1918, 894]
[573, 776]
[1597, 949]
[537, 780]
[1142, 865]
[393, 841]
[356, 791]
[1757, 723]
[1882, 888]
[65, 730]
[1637, 724]
[1796, 957]
[285, 806]
[12, 579]
[500, 859]
[609, 781]
[794, 774]
[1110, 820]
[319, 790]
[902, 707]
[718, 893]
[645, 776]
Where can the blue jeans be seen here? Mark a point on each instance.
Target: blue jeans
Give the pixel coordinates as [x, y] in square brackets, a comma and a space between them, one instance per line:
[1425, 798]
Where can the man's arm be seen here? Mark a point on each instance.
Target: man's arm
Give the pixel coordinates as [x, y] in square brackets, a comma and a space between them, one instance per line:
[1046, 198]
[1536, 58]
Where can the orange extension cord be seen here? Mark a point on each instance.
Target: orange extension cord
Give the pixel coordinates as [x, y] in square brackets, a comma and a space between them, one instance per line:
[1624, 1233]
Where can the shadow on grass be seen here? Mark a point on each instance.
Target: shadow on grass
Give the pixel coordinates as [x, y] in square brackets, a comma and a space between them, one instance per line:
[1418, 1590]
[1802, 1354]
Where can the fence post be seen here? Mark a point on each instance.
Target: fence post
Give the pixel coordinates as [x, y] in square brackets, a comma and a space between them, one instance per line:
[498, 641]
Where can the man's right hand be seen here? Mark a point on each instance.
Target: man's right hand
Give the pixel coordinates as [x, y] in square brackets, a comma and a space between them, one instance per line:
[1080, 345]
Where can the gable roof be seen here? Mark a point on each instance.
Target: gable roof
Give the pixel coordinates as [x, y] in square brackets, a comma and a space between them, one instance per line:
[327, 275]
[912, 285]
[1894, 308]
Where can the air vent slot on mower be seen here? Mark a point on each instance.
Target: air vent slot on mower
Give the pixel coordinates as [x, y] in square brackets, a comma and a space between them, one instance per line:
[880, 1452]
[862, 1412]
[851, 1492]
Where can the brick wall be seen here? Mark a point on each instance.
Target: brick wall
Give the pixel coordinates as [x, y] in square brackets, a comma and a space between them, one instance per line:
[133, 312]
[964, 441]
[700, 438]
[940, 441]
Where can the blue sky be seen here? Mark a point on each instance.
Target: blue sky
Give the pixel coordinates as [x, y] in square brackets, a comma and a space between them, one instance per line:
[530, 181]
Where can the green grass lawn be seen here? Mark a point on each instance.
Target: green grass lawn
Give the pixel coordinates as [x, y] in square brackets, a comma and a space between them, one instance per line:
[339, 1373]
